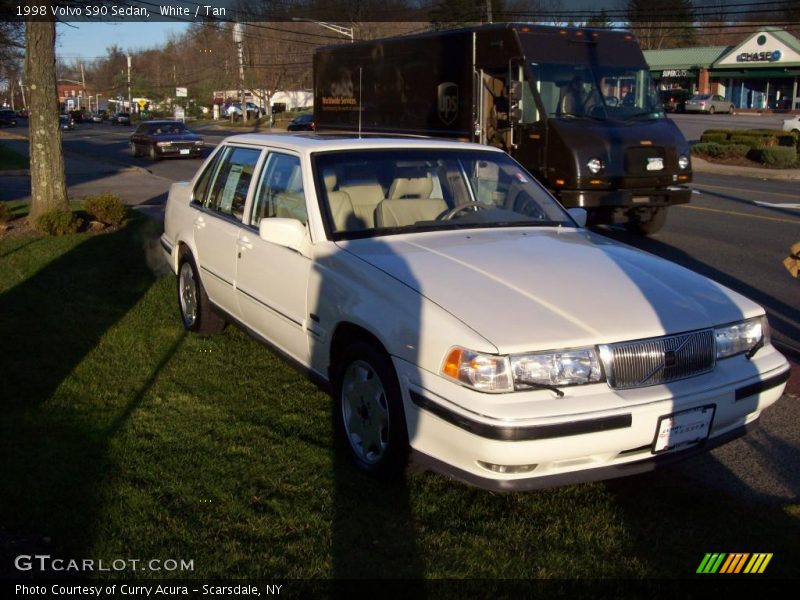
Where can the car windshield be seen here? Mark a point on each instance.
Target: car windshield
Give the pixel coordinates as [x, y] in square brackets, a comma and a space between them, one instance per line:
[169, 128]
[597, 92]
[383, 192]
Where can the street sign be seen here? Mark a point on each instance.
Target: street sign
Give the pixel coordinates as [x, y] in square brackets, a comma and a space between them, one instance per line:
[142, 104]
[180, 113]
[180, 92]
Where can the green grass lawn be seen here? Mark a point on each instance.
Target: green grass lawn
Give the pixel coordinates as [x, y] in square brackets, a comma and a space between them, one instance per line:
[123, 437]
[10, 160]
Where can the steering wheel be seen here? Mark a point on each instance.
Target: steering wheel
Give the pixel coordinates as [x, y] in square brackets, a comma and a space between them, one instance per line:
[463, 208]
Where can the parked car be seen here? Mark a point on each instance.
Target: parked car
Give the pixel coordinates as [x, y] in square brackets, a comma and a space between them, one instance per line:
[120, 118]
[709, 103]
[66, 122]
[8, 118]
[792, 124]
[304, 122]
[98, 117]
[456, 308]
[235, 109]
[674, 100]
[159, 139]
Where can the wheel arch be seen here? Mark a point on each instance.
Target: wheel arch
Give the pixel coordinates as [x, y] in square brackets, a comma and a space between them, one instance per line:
[345, 334]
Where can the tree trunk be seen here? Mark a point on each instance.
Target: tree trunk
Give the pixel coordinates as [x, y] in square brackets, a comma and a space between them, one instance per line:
[48, 185]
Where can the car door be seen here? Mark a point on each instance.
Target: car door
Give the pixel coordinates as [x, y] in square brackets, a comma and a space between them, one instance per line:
[271, 279]
[220, 196]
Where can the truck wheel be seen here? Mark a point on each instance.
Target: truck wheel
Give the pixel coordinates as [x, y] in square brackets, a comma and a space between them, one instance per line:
[657, 220]
[369, 416]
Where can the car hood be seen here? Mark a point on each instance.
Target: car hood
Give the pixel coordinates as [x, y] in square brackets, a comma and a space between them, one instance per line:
[537, 289]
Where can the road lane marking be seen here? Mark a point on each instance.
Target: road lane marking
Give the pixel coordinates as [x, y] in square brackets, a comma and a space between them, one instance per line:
[734, 189]
[771, 205]
[740, 214]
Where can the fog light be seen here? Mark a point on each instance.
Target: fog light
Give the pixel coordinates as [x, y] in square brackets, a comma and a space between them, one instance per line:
[506, 469]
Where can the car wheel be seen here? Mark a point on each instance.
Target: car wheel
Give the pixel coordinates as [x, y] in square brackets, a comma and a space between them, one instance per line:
[711, 110]
[370, 421]
[656, 222]
[196, 312]
[134, 149]
[731, 109]
[154, 155]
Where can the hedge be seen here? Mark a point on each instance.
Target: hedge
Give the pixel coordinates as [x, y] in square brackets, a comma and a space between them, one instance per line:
[715, 150]
[776, 156]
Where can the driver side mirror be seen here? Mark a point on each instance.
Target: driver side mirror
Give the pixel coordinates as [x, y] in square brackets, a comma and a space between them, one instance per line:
[514, 91]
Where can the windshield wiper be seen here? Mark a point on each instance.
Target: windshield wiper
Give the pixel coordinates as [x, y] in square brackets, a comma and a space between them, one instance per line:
[541, 386]
[652, 115]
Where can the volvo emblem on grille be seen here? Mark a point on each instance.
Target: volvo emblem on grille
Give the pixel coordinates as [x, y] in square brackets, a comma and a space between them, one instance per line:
[669, 358]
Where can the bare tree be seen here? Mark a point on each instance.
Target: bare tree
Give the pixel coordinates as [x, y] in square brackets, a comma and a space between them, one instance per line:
[48, 184]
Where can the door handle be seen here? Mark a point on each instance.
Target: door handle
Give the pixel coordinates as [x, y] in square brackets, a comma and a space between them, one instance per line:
[199, 222]
[244, 243]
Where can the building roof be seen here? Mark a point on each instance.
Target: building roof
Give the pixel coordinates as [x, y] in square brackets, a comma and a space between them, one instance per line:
[684, 58]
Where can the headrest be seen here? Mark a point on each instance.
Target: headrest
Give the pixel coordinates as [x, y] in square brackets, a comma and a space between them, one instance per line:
[329, 176]
[417, 187]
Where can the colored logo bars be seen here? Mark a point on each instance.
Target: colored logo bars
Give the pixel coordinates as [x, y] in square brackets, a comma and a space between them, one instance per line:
[741, 562]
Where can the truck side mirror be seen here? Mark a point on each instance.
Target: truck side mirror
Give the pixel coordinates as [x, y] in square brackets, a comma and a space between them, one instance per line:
[514, 91]
[515, 114]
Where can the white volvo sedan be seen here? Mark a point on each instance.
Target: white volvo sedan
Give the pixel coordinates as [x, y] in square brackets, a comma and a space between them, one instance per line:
[460, 315]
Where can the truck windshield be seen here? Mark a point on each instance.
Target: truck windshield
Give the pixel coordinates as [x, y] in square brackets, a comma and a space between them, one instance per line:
[596, 91]
[373, 192]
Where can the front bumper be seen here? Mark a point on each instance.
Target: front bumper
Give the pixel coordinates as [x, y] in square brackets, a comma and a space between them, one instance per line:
[571, 442]
[628, 198]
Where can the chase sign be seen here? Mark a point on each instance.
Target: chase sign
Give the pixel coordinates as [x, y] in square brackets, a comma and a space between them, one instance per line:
[767, 56]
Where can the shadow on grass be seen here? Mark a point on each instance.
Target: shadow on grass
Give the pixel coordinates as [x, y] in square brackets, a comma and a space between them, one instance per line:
[53, 447]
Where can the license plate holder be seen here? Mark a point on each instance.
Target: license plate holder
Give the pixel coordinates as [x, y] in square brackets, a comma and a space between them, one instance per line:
[683, 428]
[655, 163]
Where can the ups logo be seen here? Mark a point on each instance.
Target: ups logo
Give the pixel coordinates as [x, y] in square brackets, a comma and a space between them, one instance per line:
[447, 102]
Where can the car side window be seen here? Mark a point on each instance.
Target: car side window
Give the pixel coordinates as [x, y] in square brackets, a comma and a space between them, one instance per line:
[230, 181]
[280, 190]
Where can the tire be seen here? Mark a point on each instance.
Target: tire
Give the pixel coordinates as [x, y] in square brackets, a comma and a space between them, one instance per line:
[656, 222]
[134, 150]
[731, 109]
[711, 110]
[154, 155]
[193, 303]
[369, 418]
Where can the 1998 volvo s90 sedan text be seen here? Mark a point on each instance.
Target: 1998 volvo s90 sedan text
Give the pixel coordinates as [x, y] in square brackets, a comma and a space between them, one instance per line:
[460, 314]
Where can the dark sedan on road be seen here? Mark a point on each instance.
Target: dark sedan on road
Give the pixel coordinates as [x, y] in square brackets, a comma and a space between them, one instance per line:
[165, 138]
[8, 118]
[301, 123]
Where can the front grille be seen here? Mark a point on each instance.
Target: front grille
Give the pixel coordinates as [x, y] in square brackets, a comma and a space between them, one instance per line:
[659, 360]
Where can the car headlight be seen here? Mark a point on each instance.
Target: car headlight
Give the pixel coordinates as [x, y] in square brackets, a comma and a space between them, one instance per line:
[556, 368]
[198, 143]
[683, 162]
[738, 338]
[163, 143]
[595, 165]
[493, 373]
[483, 372]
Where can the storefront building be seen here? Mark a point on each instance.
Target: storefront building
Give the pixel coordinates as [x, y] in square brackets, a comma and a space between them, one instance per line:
[761, 73]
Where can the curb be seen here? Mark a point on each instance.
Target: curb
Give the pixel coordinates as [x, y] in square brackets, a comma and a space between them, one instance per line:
[700, 165]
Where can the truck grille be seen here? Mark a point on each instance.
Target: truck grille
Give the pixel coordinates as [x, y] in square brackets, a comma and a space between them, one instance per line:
[659, 360]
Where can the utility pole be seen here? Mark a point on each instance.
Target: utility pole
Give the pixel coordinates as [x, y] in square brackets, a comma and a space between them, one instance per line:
[237, 38]
[83, 84]
[130, 99]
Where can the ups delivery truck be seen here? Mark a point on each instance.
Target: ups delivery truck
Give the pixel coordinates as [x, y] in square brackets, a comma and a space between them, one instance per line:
[575, 106]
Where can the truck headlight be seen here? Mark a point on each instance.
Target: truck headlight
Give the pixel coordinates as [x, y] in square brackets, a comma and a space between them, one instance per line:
[738, 338]
[595, 165]
[683, 162]
[556, 368]
[162, 144]
[482, 372]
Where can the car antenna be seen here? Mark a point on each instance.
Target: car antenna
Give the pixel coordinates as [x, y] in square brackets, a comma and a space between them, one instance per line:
[360, 91]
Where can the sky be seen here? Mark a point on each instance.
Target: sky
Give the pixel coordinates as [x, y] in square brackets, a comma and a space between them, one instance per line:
[89, 41]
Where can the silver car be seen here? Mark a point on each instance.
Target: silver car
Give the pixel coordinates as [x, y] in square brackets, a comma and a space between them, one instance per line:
[792, 125]
[709, 103]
